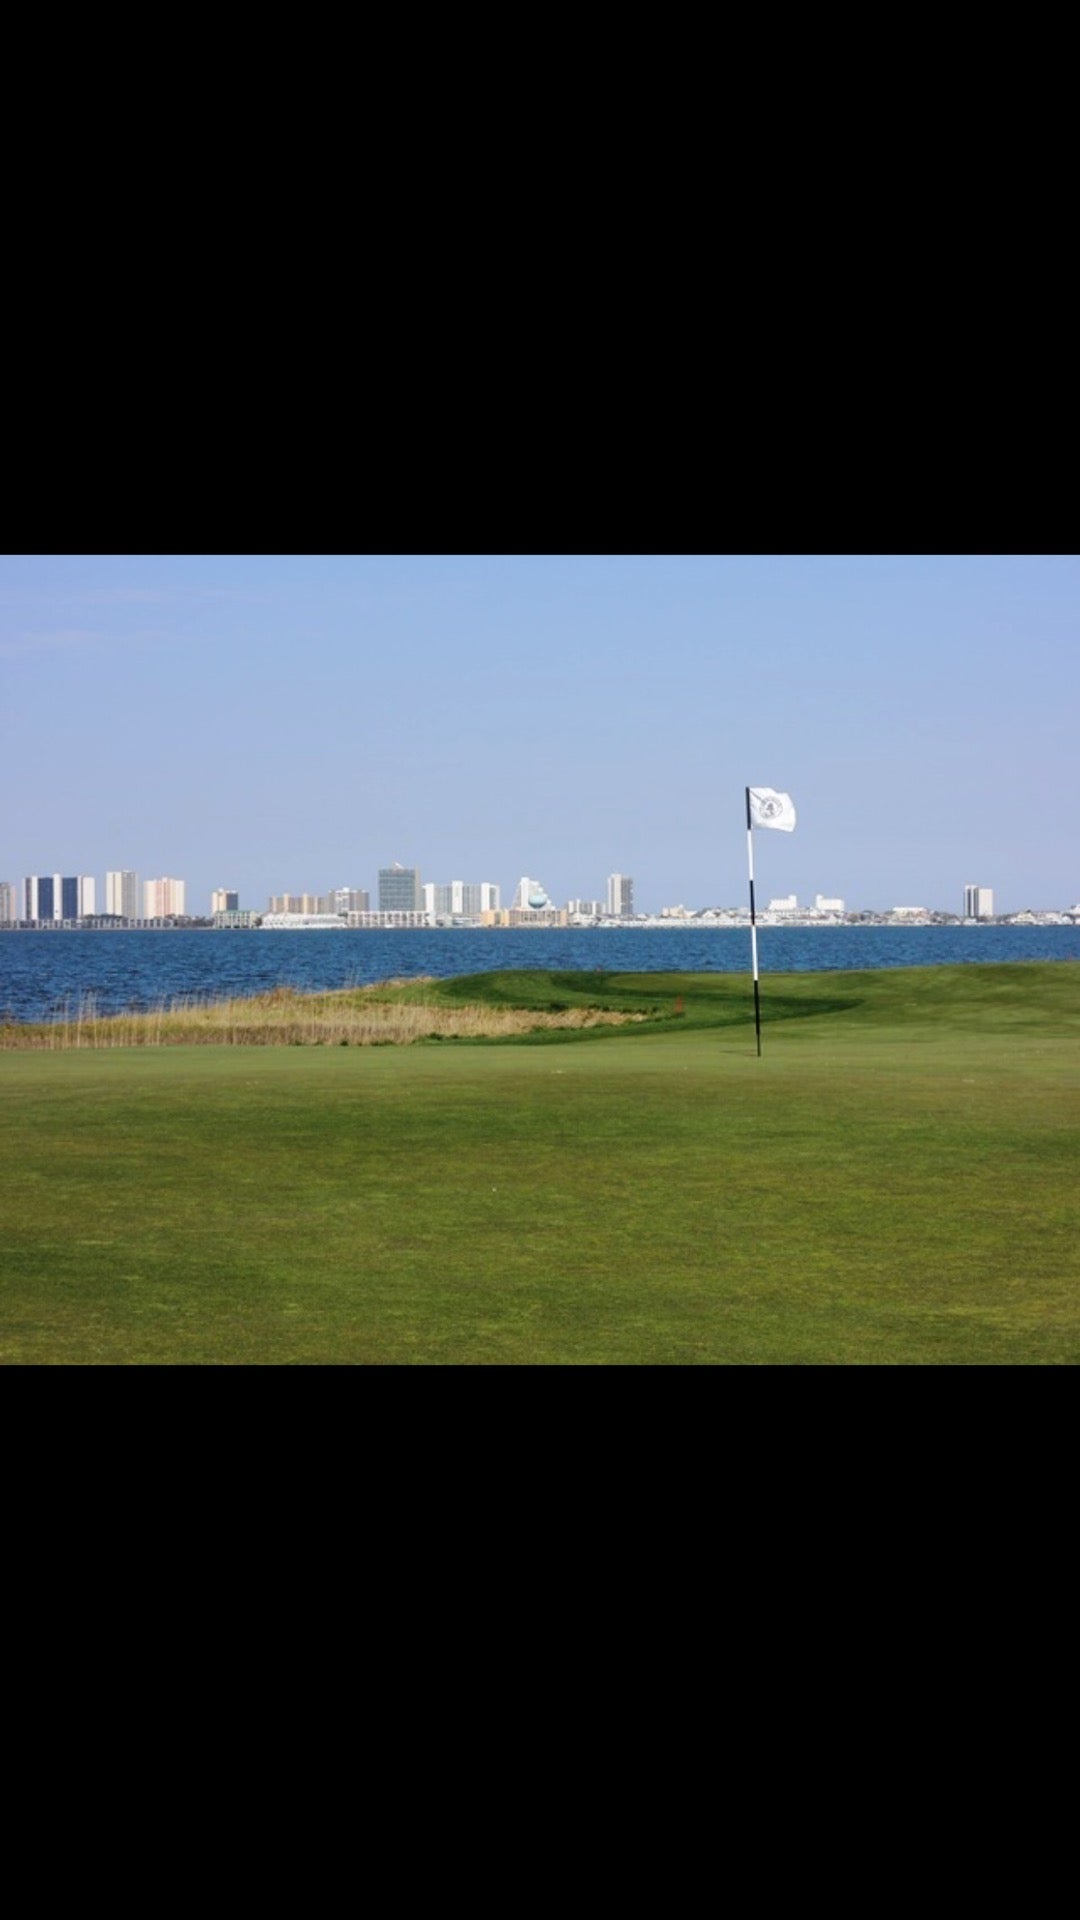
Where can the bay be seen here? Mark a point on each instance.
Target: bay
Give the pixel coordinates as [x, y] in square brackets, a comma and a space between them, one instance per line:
[46, 975]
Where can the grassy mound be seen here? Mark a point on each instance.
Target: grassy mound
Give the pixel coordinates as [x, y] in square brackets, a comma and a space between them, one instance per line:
[1023, 994]
[538, 1005]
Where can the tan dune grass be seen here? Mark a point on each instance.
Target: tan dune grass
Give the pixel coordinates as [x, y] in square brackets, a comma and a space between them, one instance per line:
[355, 1017]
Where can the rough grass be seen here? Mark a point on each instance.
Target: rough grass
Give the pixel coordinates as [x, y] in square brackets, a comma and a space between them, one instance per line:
[350, 1017]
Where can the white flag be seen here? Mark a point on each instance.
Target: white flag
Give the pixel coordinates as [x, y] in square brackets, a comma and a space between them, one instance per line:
[770, 809]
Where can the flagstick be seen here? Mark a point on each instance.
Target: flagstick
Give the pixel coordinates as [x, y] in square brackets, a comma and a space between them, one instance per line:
[753, 922]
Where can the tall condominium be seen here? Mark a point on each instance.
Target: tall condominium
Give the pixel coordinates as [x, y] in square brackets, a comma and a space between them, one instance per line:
[464, 898]
[978, 903]
[399, 890]
[620, 895]
[345, 900]
[122, 895]
[9, 902]
[222, 901]
[164, 899]
[56, 896]
[297, 903]
[39, 890]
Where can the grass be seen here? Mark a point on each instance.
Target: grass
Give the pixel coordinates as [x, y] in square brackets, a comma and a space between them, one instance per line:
[894, 1182]
[377, 1016]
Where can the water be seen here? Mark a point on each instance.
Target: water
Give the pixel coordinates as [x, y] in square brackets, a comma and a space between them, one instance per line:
[41, 973]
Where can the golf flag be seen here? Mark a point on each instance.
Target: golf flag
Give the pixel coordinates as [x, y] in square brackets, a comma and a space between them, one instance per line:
[770, 809]
[764, 808]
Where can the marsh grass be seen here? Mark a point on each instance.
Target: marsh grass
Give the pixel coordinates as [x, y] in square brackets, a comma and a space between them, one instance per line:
[356, 1016]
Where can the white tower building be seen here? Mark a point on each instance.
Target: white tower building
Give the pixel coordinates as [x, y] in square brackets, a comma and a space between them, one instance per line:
[122, 895]
[978, 903]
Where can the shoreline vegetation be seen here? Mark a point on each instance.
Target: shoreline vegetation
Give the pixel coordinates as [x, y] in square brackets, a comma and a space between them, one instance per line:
[536, 1006]
[389, 1013]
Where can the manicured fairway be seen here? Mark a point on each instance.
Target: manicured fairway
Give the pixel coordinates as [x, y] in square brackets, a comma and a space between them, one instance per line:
[897, 1180]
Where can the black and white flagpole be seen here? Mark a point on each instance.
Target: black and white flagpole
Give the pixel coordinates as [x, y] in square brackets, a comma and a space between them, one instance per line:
[764, 808]
[753, 922]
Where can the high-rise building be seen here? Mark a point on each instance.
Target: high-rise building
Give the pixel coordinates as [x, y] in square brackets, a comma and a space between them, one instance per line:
[164, 899]
[9, 902]
[462, 899]
[222, 901]
[530, 895]
[40, 897]
[298, 903]
[50, 897]
[76, 893]
[399, 890]
[620, 896]
[978, 903]
[122, 895]
[345, 900]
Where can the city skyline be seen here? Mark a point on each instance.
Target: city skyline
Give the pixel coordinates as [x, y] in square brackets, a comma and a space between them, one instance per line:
[56, 898]
[259, 723]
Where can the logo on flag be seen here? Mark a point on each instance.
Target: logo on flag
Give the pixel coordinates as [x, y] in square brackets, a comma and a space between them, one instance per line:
[771, 809]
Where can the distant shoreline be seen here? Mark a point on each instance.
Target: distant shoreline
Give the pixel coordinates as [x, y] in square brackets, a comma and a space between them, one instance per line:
[1048, 917]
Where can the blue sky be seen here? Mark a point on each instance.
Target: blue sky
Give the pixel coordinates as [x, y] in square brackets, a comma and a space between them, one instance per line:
[281, 723]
